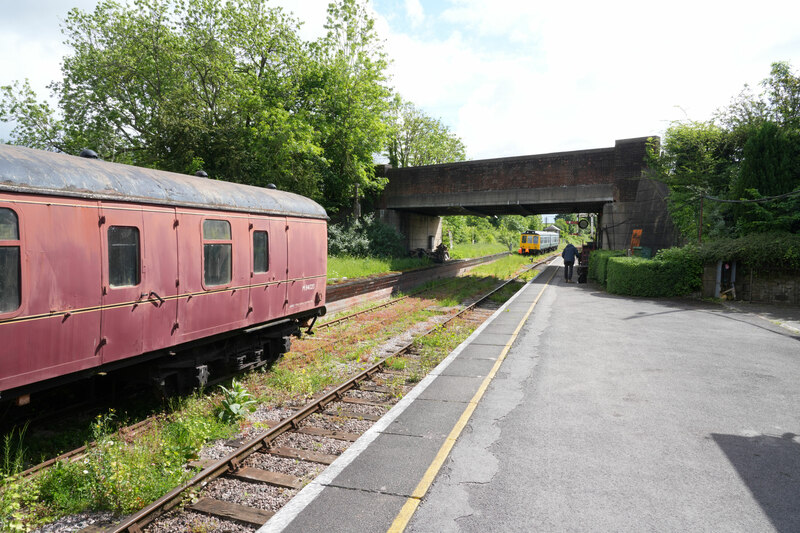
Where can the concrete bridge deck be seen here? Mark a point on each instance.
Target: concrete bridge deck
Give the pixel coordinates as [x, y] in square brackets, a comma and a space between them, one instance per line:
[575, 410]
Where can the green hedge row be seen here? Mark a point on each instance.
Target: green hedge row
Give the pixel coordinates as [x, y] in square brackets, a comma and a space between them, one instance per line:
[775, 251]
[598, 261]
[635, 276]
[679, 271]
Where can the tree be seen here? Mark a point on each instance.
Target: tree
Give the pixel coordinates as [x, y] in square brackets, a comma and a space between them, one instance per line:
[697, 159]
[417, 139]
[35, 124]
[180, 85]
[770, 168]
[352, 102]
[510, 227]
[739, 172]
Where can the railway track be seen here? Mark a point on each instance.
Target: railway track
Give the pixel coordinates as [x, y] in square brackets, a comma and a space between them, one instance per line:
[329, 423]
[130, 432]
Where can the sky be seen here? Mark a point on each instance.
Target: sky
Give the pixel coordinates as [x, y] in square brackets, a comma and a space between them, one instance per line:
[520, 77]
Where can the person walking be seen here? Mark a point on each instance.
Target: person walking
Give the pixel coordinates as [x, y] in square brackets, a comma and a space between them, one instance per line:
[569, 254]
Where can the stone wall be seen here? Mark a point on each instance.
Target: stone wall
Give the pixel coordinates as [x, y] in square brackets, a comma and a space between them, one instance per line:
[769, 287]
[757, 286]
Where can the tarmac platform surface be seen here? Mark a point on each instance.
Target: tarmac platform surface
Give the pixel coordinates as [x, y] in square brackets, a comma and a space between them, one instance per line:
[574, 410]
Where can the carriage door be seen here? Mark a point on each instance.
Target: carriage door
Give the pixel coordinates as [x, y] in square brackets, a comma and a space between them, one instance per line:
[160, 266]
[125, 300]
[266, 292]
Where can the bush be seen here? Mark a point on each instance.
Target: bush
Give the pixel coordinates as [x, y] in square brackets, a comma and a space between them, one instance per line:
[768, 251]
[365, 237]
[598, 261]
[670, 275]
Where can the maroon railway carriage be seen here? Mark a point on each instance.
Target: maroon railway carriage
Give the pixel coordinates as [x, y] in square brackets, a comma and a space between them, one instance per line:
[104, 265]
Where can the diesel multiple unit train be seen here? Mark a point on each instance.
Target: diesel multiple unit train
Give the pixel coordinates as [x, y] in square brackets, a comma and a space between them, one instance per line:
[537, 242]
[104, 266]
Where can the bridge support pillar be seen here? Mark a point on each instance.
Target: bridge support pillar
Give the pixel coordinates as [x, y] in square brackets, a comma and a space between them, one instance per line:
[645, 210]
[420, 231]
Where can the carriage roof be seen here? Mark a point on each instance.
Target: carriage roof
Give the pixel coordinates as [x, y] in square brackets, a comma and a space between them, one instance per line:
[40, 172]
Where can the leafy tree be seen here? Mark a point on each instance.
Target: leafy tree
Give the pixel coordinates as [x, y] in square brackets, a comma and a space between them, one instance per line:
[779, 102]
[468, 229]
[35, 123]
[698, 159]
[417, 139]
[739, 172]
[504, 229]
[182, 85]
[366, 236]
[562, 225]
[352, 102]
[770, 167]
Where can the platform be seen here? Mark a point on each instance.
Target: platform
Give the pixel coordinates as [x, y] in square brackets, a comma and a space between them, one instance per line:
[679, 415]
[378, 474]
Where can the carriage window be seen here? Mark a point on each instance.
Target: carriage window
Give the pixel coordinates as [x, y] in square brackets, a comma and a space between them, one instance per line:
[260, 251]
[123, 256]
[217, 252]
[10, 280]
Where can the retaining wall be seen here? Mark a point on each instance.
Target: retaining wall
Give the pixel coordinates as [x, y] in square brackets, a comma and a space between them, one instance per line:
[761, 287]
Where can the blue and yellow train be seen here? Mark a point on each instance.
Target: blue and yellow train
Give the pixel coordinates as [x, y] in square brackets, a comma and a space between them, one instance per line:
[538, 242]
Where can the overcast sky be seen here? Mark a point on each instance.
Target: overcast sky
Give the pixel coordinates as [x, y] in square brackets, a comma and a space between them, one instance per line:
[517, 77]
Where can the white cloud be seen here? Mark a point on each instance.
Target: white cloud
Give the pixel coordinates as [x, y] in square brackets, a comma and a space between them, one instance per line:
[515, 77]
[415, 12]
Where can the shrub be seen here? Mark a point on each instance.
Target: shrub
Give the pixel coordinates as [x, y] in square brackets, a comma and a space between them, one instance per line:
[660, 277]
[365, 237]
[776, 251]
[598, 261]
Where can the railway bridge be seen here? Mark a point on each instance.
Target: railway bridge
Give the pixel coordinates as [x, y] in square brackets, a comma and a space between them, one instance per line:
[611, 182]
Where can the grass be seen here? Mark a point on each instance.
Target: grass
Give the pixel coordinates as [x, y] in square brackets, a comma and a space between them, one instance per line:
[503, 268]
[345, 267]
[342, 268]
[119, 474]
[435, 347]
[478, 249]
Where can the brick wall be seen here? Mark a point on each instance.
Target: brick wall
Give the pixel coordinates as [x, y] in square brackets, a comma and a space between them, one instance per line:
[615, 165]
[550, 170]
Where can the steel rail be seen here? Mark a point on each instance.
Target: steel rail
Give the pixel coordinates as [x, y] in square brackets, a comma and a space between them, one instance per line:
[231, 462]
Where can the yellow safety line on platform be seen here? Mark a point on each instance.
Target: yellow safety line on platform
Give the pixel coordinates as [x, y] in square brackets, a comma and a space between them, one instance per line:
[409, 508]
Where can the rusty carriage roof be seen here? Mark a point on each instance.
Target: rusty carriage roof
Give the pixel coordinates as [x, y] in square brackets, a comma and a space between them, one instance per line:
[27, 170]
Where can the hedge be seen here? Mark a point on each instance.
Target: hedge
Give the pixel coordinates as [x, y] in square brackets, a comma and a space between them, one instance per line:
[636, 276]
[598, 260]
[775, 251]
